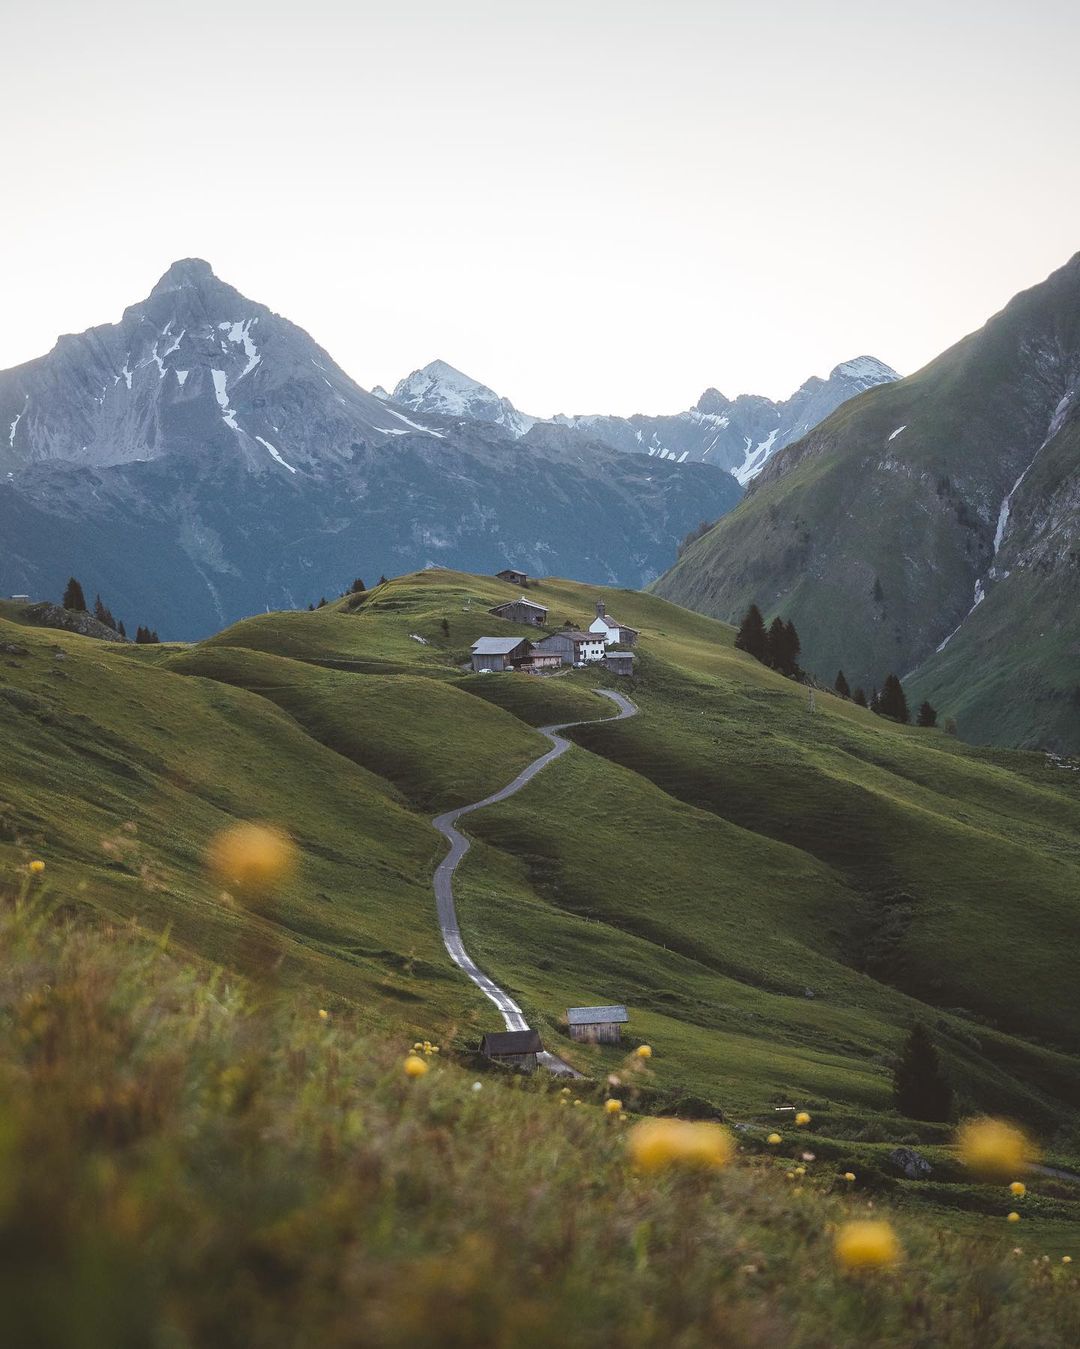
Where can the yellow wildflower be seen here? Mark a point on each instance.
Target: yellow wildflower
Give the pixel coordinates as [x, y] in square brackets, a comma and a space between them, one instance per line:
[802, 1118]
[252, 858]
[324, 1015]
[849, 1175]
[866, 1244]
[612, 1106]
[800, 1170]
[644, 1051]
[993, 1148]
[415, 1066]
[774, 1139]
[1066, 1259]
[1018, 1188]
[1013, 1217]
[37, 866]
[658, 1143]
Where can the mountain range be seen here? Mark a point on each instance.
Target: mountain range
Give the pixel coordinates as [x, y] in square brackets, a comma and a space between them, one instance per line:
[931, 527]
[204, 458]
[740, 435]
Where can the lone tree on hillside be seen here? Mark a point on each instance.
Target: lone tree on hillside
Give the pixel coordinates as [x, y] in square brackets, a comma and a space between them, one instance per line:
[357, 587]
[841, 686]
[891, 702]
[927, 716]
[752, 637]
[921, 1089]
[859, 697]
[445, 625]
[104, 614]
[74, 597]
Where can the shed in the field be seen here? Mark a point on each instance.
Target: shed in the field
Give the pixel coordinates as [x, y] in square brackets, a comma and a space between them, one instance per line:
[514, 1048]
[596, 1025]
[619, 662]
[515, 578]
[498, 653]
[521, 611]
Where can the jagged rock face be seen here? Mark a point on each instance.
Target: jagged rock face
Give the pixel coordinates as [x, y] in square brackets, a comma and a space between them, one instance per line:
[194, 366]
[204, 458]
[440, 389]
[931, 526]
[740, 434]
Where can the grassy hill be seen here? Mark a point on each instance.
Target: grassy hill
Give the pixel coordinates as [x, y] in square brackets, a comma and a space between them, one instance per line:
[775, 893]
[185, 1165]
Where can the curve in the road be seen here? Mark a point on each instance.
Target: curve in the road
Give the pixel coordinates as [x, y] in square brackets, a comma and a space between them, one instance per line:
[446, 824]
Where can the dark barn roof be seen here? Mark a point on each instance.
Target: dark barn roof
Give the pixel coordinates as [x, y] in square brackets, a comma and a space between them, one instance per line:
[499, 1044]
[596, 1016]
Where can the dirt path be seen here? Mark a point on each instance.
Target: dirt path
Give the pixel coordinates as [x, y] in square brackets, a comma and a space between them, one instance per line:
[446, 824]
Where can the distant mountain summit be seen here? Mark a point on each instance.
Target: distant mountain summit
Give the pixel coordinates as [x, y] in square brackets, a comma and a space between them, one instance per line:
[440, 389]
[204, 458]
[739, 435]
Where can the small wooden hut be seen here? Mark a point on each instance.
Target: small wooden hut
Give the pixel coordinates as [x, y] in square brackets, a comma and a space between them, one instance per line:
[597, 1025]
[513, 1048]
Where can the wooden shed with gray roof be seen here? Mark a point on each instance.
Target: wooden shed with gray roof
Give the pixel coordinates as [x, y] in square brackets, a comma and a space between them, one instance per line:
[597, 1025]
[514, 1048]
[499, 653]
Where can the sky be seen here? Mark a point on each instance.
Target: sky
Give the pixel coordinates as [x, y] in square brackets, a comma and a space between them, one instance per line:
[590, 206]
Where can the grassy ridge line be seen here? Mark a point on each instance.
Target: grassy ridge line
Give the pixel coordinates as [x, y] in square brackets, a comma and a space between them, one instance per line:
[182, 1164]
[119, 772]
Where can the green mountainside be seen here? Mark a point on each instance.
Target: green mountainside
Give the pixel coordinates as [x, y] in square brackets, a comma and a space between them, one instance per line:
[877, 533]
[776, 893]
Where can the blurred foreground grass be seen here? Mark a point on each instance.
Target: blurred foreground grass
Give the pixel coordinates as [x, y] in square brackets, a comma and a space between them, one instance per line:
[185, 1165]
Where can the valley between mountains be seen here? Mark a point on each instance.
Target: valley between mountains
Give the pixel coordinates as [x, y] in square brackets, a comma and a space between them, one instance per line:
[775, 892]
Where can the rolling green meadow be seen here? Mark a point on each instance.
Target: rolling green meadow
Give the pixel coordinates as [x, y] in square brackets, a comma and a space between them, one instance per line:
[776, 892]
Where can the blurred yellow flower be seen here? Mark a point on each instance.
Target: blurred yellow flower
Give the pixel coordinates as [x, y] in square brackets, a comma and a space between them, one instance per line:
[655, 1144]
[994, 1148]
[1013, 1218]
[1018, 1188]
[800, 1170]
[1066, 1259]
[324, 1015]
[565, 1091]
[866, 1244]
[790, 1175]
[415, 1066]
[612, 1106]
[802, 1118]
[849, 1175]
[252, 858]
[644, 1051]
[37, 866]
[774, 1139]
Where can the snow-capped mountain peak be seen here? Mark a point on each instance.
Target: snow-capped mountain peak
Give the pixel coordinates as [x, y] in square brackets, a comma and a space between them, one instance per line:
[442, 390]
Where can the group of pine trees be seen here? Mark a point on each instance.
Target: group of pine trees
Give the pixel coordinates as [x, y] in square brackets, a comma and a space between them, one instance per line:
[776, 646]
[75, 600]
[890, 702]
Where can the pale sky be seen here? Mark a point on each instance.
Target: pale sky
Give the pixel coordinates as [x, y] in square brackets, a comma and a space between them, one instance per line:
[590, 205]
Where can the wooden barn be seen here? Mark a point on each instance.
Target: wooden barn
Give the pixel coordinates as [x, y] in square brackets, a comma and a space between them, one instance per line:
[521, 611]
[515, 578]
[513, 1048]
[575, 648]
[597, 1025]
[499, 653]
[619, 662]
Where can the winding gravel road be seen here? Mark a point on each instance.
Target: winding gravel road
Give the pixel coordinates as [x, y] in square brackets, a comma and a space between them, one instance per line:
[446, 824]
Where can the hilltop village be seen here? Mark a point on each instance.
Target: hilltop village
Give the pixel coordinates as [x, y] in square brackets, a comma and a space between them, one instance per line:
[603, 643]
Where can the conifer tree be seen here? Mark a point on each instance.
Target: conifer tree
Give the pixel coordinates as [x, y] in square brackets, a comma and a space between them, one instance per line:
[776, 650]
[921, 1089]
[382, 580]
[752, 637]
[792, 651]
[121, 629]
[842, 687]
[445, 625]
[74, 598]
[357, 587]
[927, 715]
[859, 698]
[892, 702]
